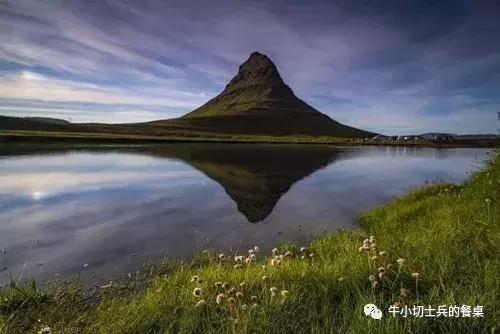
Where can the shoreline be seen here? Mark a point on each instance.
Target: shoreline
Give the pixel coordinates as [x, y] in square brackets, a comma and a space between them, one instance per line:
[102, 138]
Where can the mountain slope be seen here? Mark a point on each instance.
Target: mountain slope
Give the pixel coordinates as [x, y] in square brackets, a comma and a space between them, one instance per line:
[257, 101]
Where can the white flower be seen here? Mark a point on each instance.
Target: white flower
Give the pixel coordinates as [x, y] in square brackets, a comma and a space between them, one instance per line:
[303, 249]
[401, 262]
[253, 257]
[274, 251]
[45, 330]
[222, 257]
[265, 278]
[218, 284]
[274, 291]
[195, 278]
[200, 303]
[239, 294]
[220, 298]
[251, 251]
[256, 249]
[288, 254]
[285, 293]
[197, 292]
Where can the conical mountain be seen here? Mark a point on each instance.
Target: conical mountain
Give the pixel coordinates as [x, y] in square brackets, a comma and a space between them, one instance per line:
[257, 101]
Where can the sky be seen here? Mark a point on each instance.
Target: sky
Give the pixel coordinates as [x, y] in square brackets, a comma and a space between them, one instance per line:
[389, 66]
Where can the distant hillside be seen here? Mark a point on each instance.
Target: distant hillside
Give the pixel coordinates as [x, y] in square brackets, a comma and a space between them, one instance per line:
[257, 101]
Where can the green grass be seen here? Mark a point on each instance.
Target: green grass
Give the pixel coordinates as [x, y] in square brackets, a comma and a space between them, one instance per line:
[449, 234]
[192, 136]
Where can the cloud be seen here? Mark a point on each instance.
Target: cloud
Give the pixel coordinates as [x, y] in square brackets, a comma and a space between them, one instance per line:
[396, 66]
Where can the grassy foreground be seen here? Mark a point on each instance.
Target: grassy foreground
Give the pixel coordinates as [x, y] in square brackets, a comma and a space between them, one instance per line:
[438, 245]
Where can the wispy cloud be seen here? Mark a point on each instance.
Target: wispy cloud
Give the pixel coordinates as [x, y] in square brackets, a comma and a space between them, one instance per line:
[390, 68]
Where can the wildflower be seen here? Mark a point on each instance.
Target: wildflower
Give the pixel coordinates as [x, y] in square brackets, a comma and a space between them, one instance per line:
[200, 303]
[273, 290]
[372, 278]
[381, 275]
[218, 285]
[381, 269]
[251, 251]
[249, 259]
[253, 257]
[404, 292]
[231, 300]
[244, 307]
[415, 275]
[231, 291]
[341, 279]
[195, 278]
[285, 293]
[45, 330]
[238, 266]
[254, 305]
[274, 251]
[265, 278]
[303, 249]
[488, 201]
[372, 239]
[401, 262]
[256, 249]
[253, 298]
[311, 255]
[222, 257]
[288, 254]
[375, 284]
[197, 292]
[220, 298]
[374, 257]
[381, 253]
[239, 258]
[225, 285]
[242, 284]
[239, 294]
[361, 249]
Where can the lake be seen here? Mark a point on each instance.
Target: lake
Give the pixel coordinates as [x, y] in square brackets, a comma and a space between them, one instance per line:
[102, 211]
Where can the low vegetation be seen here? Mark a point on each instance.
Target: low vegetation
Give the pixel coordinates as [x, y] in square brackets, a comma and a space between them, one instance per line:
[438, 245]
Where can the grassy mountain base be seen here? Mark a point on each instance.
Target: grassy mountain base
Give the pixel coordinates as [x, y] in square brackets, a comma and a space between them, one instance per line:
[448, 234]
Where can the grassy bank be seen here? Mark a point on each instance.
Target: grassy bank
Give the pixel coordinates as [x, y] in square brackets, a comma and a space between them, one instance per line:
[438, 245]
[32, 136]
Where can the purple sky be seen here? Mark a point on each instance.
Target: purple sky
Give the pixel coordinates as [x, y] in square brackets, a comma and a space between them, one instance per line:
[385, 66]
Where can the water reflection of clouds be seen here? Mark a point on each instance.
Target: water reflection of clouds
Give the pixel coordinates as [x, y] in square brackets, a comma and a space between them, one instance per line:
[97, 210]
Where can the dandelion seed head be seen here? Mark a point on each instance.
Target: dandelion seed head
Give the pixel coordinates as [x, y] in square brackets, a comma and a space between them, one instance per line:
[220, 298]
[45, 330]
[197, 292]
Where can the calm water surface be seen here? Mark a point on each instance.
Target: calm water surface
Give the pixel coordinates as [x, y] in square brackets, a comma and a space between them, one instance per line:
[102, 211]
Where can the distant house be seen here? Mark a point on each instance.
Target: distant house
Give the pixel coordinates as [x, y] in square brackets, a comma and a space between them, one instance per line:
[380, 138]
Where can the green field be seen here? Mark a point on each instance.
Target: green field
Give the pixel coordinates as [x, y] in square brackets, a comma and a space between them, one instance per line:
[447, 234]
[110, 137]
